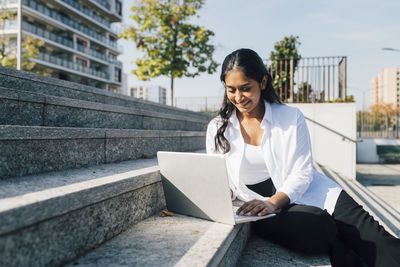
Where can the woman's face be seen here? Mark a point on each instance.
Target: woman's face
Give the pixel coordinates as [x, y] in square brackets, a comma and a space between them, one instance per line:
[243, 92]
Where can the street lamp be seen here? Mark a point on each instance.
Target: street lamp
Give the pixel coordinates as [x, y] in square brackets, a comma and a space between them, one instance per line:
[361, 117]
[391, 49]
[398, 100]
[19, 36]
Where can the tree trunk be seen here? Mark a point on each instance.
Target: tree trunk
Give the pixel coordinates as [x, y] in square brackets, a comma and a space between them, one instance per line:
[172, 90]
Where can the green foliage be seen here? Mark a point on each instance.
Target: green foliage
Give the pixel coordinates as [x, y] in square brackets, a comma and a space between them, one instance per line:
[347, 99]
[302, 96]
[285, 53]
[30, 49]
[172, 46]
[8, 54]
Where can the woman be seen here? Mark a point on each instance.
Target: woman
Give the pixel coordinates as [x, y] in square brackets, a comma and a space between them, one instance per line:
[268, 155]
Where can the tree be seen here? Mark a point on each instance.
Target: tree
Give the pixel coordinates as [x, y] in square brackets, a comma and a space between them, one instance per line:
[284, 59]
[8, 54]
[30, 50]
[6, 16]
[172, 46]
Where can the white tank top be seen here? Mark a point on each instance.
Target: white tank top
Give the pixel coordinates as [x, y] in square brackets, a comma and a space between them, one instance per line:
[253, 169]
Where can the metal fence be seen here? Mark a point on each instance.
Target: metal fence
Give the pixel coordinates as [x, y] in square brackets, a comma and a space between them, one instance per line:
[309, 79]
[296, 80]
[201, 103]
[378, 123]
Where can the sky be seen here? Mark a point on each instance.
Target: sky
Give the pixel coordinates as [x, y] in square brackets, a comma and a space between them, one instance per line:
[356, 29]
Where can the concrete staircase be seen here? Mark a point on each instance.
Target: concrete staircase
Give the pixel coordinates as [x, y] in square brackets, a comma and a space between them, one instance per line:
[78, 167]
[80, 185]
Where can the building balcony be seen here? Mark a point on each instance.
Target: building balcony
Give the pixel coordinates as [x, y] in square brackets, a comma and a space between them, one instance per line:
[103, 3]
[9, 26]
[71, 23]
[8, 2]
[70, 65]
[47, 34]
[86, 12]
[68, 43]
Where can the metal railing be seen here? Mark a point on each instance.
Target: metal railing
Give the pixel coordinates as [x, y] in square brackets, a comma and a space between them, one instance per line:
[378, 124]
[309, 79]
[202, 103]
[70, 22]
[47, 34]
[87, 12]
[9, 25]
[72, 65]
[333, 131]
[75, 4]
[7, 2]
[103, 3]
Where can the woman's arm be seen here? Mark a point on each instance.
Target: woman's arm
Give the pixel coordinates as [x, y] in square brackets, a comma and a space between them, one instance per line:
[299, 164]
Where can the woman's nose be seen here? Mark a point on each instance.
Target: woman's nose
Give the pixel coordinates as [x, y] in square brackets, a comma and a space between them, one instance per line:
[238, 96]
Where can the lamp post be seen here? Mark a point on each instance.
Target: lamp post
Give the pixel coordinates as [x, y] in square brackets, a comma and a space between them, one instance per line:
[397, 100]
[361, 119]
[19, 36]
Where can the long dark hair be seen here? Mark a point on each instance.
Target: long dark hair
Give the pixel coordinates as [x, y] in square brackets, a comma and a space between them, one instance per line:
[250, 63]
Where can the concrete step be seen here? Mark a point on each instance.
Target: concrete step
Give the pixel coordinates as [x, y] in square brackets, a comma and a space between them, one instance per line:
[29, 150]
[26, 81]
[50, 219]
[171, 241]
[261, 252]
[385, 214]
[34, 109]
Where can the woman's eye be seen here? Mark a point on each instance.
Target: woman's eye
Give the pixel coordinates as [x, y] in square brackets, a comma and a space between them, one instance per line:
[246, 89]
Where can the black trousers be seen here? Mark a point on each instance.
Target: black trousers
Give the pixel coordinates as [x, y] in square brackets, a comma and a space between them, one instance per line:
[350, 235]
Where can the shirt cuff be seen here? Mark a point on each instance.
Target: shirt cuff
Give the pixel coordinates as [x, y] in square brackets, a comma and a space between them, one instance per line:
[290, 193]
[233, 195]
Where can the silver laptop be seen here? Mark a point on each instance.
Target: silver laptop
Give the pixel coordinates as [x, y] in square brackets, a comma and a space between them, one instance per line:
[196, 184]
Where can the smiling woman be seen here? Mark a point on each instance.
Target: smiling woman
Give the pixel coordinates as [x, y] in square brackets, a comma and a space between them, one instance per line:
[268, 156]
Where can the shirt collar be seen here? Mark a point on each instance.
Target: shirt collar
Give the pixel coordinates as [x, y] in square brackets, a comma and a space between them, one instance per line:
[266, 119]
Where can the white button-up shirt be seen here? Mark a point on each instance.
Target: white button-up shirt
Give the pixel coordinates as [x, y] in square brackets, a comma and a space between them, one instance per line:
[287, 153]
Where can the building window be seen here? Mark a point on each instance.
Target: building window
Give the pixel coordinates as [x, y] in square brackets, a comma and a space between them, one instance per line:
[81, 45]
[117, 75]
[118, 7]
[82, 64]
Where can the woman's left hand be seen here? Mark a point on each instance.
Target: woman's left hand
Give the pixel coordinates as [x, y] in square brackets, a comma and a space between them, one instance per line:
[256, 207]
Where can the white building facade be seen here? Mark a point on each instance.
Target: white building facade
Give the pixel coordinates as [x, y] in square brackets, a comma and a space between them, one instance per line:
[152, 93]
[386, 87]
[80, 38]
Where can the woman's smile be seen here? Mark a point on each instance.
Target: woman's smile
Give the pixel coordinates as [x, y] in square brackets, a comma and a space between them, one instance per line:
[243, 104]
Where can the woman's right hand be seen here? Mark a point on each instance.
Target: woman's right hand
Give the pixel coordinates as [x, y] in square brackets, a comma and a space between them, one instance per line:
[231, 193]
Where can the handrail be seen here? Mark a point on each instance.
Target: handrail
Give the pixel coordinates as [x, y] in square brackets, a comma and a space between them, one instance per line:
[333, 131]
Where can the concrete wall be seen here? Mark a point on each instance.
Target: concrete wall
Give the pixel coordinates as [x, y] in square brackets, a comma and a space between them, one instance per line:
[329, 148]
[366, 150]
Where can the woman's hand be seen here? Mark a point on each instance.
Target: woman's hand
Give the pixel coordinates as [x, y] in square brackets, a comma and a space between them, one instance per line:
[256, 207]
[260, 208]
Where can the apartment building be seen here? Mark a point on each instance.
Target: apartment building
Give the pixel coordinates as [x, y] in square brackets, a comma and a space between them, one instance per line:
[386, 87]
[80, 38]
[153, 93]
[375, 91]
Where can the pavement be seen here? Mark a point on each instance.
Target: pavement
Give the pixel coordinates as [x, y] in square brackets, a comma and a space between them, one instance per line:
[383, 180]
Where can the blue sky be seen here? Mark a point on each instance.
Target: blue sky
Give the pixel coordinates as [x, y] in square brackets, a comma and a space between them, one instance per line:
[356, 29]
